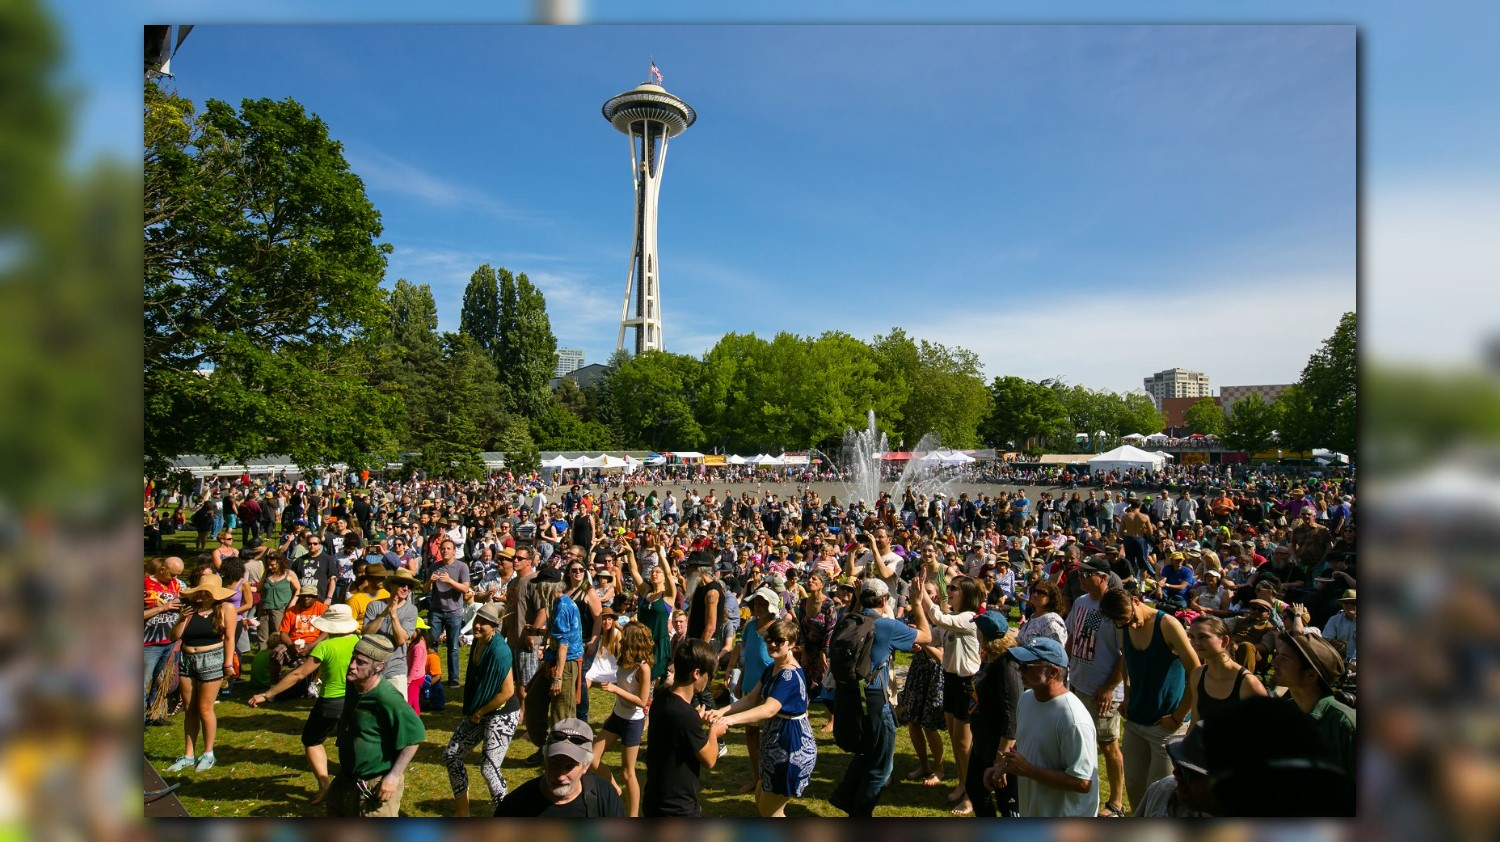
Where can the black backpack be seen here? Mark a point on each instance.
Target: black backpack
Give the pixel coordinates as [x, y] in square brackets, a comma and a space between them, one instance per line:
[849, 664]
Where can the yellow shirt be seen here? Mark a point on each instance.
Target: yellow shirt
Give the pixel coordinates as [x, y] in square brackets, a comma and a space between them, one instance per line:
[358, 603]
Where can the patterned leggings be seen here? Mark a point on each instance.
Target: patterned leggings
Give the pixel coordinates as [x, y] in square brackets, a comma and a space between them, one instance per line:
[496, 731]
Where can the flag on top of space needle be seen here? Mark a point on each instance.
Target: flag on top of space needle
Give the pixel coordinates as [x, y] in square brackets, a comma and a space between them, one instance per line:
[655, 72]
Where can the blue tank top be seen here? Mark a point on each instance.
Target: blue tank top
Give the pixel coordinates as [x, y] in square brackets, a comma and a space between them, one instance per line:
[1157, 679]
[755, 660]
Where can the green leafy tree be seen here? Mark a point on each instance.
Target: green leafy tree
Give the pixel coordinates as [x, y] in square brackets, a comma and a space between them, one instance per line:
[899, 366]
[1023, 413]
[1302, 426]
[261, 267]
[1204, 417]
[733, 377]
[948, 397]
[1137, 414]
[652, 395]
[1250, 424]
[558, 428]
[1331, 381]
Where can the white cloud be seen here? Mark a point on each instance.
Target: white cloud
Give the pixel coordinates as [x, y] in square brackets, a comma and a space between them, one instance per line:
[1430, 260]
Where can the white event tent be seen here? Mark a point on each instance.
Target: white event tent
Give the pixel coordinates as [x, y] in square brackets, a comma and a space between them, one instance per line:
[1125, 457]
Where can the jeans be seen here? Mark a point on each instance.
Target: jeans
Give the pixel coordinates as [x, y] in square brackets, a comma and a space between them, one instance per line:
[453, 625]
[218, 525]
[868, 771]
[156, 659]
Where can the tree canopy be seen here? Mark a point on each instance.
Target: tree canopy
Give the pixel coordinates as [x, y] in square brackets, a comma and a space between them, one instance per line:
[1205, 417]
[262, 277]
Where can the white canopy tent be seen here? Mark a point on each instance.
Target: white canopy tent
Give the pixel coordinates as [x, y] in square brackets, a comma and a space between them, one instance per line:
[1165, 455]
[604, 461]
[736, 460]
[1133, 437]
[1125, 457]
[688, 455]
[948, 457]
[558, 461]
[1158, 438]
[768, 459]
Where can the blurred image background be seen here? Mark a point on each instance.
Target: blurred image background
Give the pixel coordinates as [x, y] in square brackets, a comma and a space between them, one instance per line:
[70, 251]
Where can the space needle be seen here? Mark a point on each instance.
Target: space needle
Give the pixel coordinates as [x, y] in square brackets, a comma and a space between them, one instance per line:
[649, 116]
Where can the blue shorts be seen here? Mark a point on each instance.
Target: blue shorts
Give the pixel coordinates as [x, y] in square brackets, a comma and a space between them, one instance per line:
[629, 730]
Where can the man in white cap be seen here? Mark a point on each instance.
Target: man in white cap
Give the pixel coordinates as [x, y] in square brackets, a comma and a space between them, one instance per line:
[566, 788]
[378, 735]
[330, 660]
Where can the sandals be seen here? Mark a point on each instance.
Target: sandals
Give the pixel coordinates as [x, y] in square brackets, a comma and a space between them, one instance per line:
[1112, 811]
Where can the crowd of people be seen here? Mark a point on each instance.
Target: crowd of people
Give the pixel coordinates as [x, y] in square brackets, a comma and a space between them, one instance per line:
[1153, 624]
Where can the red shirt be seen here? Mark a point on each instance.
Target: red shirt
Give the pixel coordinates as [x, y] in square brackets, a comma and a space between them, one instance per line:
[158, 628]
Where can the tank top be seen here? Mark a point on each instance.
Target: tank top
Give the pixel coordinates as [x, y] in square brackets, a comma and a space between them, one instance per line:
[1210, 707]
[200, 631]
[1157, 679]
[630, 682]
[586, 619]
[697, 619]
[275, 595]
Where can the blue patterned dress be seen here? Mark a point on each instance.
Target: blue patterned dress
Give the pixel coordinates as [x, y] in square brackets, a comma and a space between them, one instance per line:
[788, 750]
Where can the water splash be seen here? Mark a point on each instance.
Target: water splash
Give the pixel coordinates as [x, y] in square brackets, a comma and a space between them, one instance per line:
[864, 475]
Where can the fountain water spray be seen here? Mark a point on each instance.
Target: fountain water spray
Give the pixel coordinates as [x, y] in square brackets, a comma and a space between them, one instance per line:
[864, 473]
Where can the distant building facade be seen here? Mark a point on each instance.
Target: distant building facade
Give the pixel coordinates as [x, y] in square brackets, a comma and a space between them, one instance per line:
[584, 376]
[1177, 383]
[1229, 395]
[568, 360]
[1175, 411]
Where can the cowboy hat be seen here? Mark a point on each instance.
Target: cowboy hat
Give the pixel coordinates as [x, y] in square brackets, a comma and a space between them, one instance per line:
[211, 585]
[488, 613]
[402, 576]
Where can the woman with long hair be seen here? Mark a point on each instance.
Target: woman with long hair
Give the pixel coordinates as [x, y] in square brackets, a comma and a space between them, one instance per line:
[278, 588]
[1049, 610]
[204, 629]
[997, 690]
[577, 586]
[1220, 681]
[627, 722]
[654, 611]
[788, 751]
[960, 662]
[921, 702]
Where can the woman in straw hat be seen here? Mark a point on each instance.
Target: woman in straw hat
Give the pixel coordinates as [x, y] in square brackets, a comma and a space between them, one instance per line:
[204, 629]
[330, 659]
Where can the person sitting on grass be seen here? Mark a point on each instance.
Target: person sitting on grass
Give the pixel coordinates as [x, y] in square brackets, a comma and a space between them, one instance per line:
[329, 659]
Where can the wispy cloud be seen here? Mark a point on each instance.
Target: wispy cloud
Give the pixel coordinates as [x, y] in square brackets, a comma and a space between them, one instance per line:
[383, 172]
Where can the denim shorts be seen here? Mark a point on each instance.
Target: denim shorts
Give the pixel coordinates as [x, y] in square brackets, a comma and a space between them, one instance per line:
[630, 730]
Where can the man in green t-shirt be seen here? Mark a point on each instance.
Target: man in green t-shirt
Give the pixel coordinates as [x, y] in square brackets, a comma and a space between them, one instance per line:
[378, 735]
[330, 659]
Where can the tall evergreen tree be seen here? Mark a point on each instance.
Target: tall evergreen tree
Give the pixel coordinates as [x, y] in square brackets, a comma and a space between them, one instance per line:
[531, 351]
[480, 317]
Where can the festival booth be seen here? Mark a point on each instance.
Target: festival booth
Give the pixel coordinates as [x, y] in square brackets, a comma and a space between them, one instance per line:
[1125, 457]
[736, 460]
[948, 457]
[1133, 438]
[605, 462]
[767, 460]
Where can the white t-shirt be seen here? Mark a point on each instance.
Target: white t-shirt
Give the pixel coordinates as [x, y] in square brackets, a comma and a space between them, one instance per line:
[1057, 734]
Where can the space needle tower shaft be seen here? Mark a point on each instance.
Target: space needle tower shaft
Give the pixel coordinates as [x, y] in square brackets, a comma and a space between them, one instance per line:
[649, 116]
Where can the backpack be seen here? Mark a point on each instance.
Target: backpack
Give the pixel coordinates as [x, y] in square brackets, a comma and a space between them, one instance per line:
[849, 667]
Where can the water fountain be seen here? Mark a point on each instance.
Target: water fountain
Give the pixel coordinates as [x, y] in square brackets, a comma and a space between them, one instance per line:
[866, 471]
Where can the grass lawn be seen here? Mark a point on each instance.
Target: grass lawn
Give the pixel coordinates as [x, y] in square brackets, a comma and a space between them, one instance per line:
[262, 771]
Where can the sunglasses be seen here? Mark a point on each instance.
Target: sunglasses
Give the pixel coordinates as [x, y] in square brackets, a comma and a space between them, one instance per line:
[575, 739]
[776, 641]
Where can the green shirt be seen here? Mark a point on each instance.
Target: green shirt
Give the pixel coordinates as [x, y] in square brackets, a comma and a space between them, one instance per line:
[373, 729]
[334, 654]
[1335, 721]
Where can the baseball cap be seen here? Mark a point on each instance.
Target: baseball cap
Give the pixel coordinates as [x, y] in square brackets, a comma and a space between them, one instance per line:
[875, 586]
[1191, 751]
[992, 625]
[1041, 649]
[571, 738]
[1094, 564]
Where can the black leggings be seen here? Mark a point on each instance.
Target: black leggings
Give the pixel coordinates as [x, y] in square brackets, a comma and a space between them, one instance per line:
[1004, 802]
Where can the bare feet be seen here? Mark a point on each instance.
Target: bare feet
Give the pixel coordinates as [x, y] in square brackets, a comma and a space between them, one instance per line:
[748, 788]
[957, 795]
[918, 774]
[963, 809]
[933, 779]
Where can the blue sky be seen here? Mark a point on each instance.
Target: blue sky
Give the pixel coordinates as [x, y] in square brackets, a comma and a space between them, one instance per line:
[1171, 195]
